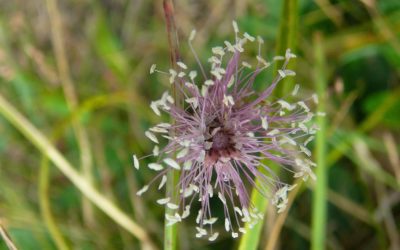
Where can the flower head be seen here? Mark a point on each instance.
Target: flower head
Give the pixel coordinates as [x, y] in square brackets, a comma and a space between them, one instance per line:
[223, 133]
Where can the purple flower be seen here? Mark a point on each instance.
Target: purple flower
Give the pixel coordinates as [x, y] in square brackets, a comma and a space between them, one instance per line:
[222, 134]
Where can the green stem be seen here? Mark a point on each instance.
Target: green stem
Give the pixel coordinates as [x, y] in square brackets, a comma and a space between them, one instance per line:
[45, 206]
[319, 197]
[170, 231]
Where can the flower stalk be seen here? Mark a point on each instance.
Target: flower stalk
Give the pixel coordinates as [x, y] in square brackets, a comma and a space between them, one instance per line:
[170, 231]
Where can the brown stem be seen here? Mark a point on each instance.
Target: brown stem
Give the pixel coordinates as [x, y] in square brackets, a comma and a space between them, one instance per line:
[172, 32]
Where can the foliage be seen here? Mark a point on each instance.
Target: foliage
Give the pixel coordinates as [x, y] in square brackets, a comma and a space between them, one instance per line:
[109, 47]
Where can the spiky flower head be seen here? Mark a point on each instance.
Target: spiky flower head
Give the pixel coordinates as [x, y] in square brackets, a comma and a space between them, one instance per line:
[224, 136]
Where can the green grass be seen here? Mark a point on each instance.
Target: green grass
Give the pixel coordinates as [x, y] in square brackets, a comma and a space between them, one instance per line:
[75, 90]
[319, 213]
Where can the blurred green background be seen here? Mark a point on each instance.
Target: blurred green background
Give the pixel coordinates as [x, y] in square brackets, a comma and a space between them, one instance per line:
[90, 97]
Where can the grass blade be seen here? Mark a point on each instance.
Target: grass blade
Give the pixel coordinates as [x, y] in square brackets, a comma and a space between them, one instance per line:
[287, 33]
[45, 147]
[320, 191]
[252, 237]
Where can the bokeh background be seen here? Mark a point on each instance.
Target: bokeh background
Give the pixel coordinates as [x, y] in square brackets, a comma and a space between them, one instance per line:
[79, 72]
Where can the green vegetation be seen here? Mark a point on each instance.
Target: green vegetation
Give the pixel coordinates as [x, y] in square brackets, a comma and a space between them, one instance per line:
[74, 105]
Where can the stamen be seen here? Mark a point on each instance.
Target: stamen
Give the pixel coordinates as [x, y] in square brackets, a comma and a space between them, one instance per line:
[315, 98]
[172, 206]
[163, 201]
[173, 164]
[229, 46]
[264, 123]
[246, 64]
[153, 68]
[156, 151]
[262, 61]
[151, 136]
[173, 74]
[182, 153]
[235, 26]
[289, 54]
[213, 237]
[218, 51]
[193, 101]
[135, 162]
[142, 190]
[278, 58]
[210, 221]
[295, 90]
[227, 224]
[156, 166]
[186, 212]
[163, 181]
[154, 107]
[181, 65]
[231, 81]
[192, 35]
[192, 74]
[209, 82]
[248, 37]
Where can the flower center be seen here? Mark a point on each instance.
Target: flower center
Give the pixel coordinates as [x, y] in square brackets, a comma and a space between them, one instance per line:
[221, 140]
[222, 147]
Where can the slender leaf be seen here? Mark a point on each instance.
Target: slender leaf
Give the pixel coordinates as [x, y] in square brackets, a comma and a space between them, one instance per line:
[319, 197]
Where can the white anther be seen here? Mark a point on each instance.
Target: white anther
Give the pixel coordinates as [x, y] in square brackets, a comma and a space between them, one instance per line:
[153, 68]
[135, 162]
[142, 190]
[151, 136]
[172, 163]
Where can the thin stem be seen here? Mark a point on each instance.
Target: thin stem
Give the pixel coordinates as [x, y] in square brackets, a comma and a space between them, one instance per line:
[45, 147]
[320, 191]
[72, 102]
[170, 232]
[172, 32]
[170, 242]
[45, 205]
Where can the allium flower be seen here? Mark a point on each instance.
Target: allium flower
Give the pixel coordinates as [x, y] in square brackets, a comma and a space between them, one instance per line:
[222, 134]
